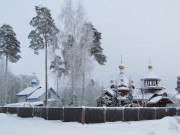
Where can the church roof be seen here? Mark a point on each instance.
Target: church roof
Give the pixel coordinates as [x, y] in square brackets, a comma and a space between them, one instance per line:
[40, 92]
[151, 75]
[156, 99]
[37, 94]
[27, 91]
[123, 88]
[110, 91]
[34, 81]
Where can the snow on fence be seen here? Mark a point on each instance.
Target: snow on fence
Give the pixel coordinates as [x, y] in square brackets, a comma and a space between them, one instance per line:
[93, 114]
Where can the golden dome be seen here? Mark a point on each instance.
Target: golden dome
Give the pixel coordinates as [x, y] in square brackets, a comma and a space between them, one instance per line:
[121, 67]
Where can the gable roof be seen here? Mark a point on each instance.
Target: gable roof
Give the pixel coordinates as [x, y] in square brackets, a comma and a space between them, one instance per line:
[158, 98]
[109, 91]
[36, 94]
[51, 89]
[28, 91]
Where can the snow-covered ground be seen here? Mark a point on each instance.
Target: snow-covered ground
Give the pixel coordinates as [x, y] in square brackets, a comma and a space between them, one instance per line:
[13, 125]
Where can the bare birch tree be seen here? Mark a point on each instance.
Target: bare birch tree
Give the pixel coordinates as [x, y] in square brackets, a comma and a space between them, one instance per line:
[80, 43]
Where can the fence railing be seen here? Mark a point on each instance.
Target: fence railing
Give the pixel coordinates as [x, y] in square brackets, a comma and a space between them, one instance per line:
[93, 114]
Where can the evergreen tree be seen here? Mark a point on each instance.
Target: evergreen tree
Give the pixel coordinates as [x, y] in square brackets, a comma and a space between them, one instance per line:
[9, 48]
[44, 35]
[178, 84]
[96, 50]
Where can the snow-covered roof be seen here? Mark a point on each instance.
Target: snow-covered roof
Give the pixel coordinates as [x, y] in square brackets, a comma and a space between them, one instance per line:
[161, 92]
[39, 92]
[137, 94]
[36, 94]
[110, 91]
[157, 99]
[28, 91]
[34, 81]
[123, 89]
[148, 95]
[151, 76]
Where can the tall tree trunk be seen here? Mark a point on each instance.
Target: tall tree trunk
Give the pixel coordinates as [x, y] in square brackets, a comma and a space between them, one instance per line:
[5, 85]
[83, 88]
[73, 86]
[57, 84]
[73, 83]
[46, 77]
[83, 57]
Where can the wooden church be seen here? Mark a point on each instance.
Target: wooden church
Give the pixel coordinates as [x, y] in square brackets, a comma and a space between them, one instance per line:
[124, 93]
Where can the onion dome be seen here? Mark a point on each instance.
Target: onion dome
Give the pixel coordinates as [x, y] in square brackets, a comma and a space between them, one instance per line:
[122, 78]
[34, 83]
[121, 67]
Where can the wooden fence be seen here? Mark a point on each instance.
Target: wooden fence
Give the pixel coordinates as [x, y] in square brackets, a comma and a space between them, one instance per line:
[94, 114]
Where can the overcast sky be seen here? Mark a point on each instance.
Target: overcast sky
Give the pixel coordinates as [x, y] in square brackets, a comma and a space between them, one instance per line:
[136, 29]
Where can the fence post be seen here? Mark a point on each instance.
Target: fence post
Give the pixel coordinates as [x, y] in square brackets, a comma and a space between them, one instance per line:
[177, 112]
[104, 114]
[62, 114]
[47, 113]
[83, 115]
[122, 114]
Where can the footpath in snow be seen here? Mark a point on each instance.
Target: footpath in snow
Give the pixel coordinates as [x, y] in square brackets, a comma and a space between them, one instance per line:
[13, 125]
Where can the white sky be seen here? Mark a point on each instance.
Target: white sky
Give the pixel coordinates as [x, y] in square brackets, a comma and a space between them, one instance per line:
[136, 29]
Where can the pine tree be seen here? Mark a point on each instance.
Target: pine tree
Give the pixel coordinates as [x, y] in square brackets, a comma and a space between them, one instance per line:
[44, 35]
[96, 50]
[9, 48]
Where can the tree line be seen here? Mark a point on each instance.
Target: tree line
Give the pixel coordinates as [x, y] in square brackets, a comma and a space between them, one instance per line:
[71, 48]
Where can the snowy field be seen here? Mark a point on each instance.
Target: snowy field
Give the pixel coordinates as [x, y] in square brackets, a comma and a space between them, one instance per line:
[13, 125]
